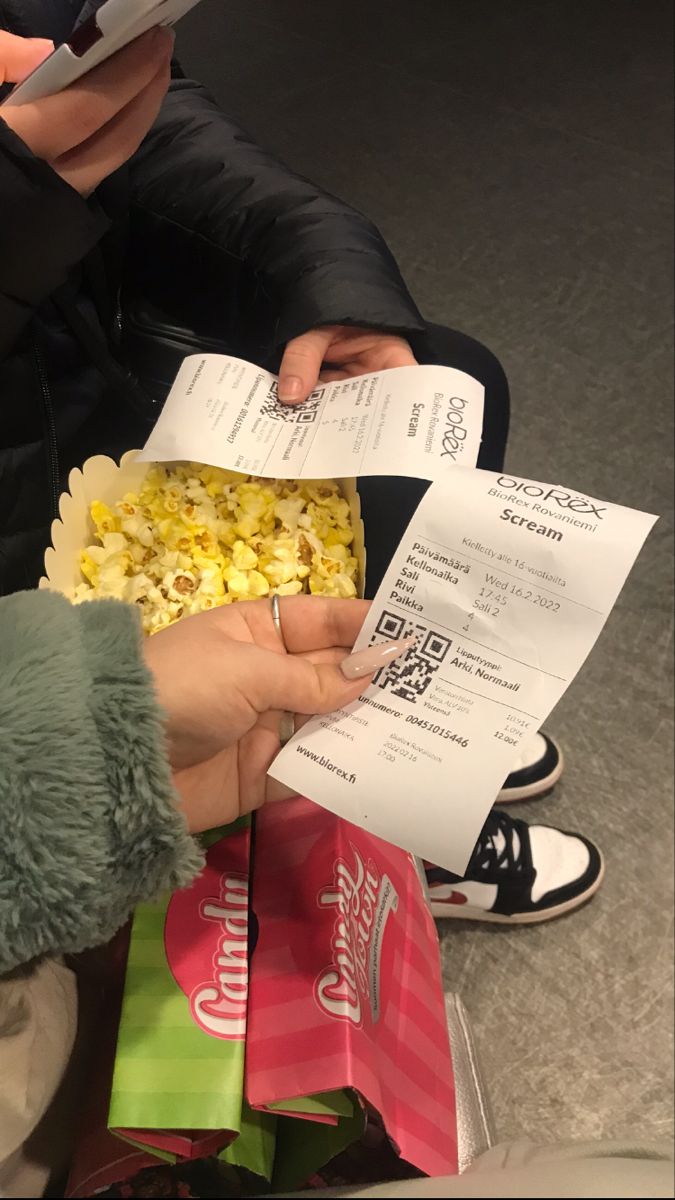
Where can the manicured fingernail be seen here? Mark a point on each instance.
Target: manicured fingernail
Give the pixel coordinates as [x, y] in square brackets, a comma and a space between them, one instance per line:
[290, 388]
[366, 662]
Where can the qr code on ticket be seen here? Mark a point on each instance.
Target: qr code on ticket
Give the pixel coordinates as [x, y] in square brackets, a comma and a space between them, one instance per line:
[410, 676]
[299, 414]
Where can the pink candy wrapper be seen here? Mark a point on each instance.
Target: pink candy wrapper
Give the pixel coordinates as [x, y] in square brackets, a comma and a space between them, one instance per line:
[345, 987]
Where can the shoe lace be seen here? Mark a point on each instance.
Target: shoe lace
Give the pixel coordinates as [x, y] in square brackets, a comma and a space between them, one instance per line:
[502, 849]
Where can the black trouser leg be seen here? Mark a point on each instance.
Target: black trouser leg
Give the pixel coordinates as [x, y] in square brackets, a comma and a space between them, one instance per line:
[389, 503]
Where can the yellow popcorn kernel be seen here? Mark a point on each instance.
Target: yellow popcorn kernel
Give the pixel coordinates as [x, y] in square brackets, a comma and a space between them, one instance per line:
[88, 567]
[338, 552]
[157, 620]
[211, 584]
[227, 534]
[205, 603]
[288, 589]
[228, 506]
[207, 542]
[338, 585]
[344, 586]
[243, 557]
[282, 546]
[104, 520]
[237, 582]
[138, 588]
[279, 573]
[257, 584]
[247, 525]
[168, 530]
[327, 567]
[215, 562]
[83, 593]
[183, 585]
[288, 512]
[137, 527]
[314, 540]
[340, 511]
[321, 491]
[339, 537]
[305, 550]
[319, 521]
[250, 501]
[168, 560]
[113, 585]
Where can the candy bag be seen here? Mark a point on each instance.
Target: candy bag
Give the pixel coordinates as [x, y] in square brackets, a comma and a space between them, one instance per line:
[177, 1087]
[345, 991]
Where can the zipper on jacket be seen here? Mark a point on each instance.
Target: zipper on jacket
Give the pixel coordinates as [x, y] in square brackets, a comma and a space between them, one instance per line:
[50, 427]
[117, 320]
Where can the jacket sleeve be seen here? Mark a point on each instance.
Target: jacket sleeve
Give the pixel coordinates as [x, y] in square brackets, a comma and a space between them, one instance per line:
[89, 824]
[45, 228]
[323, 262]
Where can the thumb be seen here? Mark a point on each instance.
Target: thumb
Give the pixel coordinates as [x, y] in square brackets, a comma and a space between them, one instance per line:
[295, 683]
[19, 56]
[301, 364]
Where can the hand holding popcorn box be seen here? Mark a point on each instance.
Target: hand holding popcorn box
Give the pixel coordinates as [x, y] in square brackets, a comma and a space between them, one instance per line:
[347, 963]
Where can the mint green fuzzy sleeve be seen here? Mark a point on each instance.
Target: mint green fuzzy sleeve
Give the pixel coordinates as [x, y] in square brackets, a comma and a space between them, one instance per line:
[89, 824]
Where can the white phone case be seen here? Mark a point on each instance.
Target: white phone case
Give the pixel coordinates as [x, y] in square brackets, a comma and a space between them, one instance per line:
[118, 22]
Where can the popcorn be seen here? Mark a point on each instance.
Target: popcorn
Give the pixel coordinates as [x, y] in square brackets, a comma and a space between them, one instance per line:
[195, 538]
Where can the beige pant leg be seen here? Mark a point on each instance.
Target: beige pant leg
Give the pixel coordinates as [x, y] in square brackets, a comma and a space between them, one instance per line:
[520, 1169]
[38, 1020]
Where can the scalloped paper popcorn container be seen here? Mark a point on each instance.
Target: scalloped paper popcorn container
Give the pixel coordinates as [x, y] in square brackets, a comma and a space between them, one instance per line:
[103, 479]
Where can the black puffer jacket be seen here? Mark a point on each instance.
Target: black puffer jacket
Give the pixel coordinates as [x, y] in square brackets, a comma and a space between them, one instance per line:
[202, 230]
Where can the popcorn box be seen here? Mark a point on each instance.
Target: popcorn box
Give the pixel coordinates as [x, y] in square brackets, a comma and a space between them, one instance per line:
[345, 988]
[103, 479]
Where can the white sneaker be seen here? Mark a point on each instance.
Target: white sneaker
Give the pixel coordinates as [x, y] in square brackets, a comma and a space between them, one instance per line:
[518, 874]
[536, 772]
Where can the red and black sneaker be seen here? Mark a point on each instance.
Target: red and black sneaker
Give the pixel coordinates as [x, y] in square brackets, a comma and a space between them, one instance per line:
[518, 874]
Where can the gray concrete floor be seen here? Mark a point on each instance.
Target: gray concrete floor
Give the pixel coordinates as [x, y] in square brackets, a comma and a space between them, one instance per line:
[516, 155]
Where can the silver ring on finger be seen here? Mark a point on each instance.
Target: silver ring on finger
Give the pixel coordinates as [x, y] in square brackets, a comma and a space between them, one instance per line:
[287, 720]
[276, 620]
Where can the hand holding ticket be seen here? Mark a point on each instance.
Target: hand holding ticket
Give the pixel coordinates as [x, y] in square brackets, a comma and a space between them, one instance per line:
[507, 584]
[412, 421]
